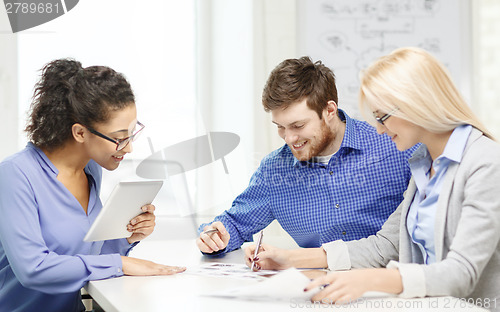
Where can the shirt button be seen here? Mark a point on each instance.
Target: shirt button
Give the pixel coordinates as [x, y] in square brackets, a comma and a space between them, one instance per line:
[118, 270]
[331, 172]
[344, 233]
[337, 205]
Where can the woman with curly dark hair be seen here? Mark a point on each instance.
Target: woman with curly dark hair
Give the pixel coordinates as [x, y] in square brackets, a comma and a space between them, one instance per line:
[82, 120]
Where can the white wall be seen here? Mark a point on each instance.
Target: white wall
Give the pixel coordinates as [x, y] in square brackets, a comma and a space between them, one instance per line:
[144, 44]
[238, 44]
[275, 36]
[8, 88]
[486, 74]
[134, 39]
[225, 98]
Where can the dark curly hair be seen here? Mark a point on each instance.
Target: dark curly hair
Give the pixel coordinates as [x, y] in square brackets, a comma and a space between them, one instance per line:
[295, 79]
[67, 94]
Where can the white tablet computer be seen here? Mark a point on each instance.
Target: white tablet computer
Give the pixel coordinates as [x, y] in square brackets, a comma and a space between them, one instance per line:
[123, 204]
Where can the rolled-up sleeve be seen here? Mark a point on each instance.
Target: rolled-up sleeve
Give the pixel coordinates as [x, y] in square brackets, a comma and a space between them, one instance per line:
[250, 212]
[337, 255]
[413, 278]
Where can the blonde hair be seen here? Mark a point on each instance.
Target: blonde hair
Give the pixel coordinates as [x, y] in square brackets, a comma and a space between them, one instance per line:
[414, 81]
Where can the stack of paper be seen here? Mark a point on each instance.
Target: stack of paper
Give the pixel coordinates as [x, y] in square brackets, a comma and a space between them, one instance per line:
[286, 285]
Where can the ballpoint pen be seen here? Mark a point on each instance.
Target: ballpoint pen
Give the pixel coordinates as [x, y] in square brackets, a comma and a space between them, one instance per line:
[210, 231]
[257, 247]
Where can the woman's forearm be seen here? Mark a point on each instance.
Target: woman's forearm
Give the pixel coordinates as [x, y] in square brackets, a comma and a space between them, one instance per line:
[308, 258]
[385, 280]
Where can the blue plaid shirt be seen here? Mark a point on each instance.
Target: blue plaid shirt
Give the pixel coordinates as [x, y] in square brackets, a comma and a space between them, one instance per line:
[348, 199]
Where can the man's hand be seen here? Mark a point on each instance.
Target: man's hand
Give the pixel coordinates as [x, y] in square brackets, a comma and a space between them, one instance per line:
[213, 241]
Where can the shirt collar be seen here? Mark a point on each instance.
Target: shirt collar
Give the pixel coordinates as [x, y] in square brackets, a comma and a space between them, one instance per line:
[43, 159]
[47, 165]
[350, 140]
[351, 136]
[453, 150]
[420, 162]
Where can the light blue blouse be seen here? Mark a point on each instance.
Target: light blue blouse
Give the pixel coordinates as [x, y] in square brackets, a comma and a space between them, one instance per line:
[43, 259]
[421, 216]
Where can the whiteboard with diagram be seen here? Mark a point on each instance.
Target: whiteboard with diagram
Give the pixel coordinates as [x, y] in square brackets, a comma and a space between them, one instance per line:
[347, 35]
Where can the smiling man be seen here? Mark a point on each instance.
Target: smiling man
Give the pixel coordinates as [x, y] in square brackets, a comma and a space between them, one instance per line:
[335, 178]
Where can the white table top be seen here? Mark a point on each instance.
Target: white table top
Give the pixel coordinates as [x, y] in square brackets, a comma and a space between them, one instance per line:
[185, 292]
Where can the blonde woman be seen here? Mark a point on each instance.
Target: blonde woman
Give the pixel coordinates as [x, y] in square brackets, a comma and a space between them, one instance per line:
[443, 240]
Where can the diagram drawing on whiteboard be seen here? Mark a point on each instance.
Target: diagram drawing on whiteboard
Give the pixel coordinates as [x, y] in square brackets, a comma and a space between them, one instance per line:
[348, 35]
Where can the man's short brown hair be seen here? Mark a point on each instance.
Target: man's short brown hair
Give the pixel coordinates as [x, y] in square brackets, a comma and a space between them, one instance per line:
[295, 79]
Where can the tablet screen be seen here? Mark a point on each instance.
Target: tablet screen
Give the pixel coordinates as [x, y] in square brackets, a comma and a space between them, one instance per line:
[123, 204]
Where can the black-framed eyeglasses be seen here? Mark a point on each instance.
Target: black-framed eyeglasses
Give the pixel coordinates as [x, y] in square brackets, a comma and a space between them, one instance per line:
[381, 120]
[120, 143]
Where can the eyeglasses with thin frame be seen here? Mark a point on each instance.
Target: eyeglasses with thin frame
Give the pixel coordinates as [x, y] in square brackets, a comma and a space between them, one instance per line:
[120, 143]
[382, 119]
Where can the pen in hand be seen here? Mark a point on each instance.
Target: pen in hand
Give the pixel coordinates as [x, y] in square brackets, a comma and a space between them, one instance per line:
[257, 247]
[210, 231]
[213, 238]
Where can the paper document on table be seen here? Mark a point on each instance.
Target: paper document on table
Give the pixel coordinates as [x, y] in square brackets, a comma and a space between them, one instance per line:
[286, 285]
[234, 270]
